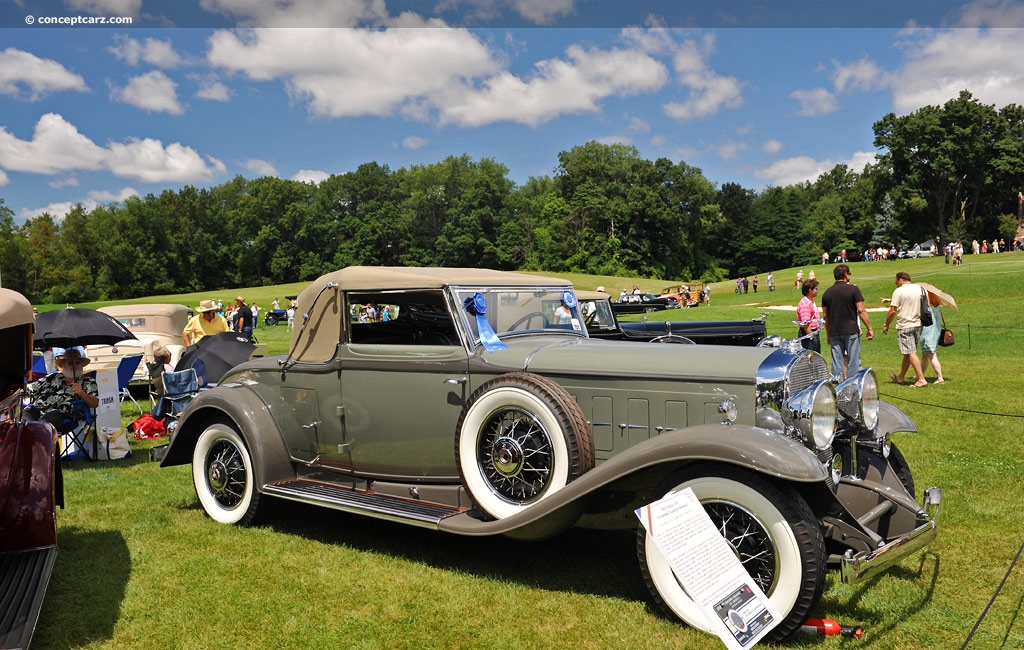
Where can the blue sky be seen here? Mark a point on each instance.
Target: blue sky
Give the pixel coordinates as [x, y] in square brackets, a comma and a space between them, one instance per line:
[195, 92]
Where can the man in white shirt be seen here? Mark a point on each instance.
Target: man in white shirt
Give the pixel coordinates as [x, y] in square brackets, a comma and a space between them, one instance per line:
[906, 309]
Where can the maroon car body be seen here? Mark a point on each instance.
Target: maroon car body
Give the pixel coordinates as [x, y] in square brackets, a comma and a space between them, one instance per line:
[30, 483]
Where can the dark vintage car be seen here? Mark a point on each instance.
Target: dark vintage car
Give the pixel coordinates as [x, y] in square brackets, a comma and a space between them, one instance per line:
[30, 484]
[484, 408]
[602, 323]
[275, 316]
[641, 303]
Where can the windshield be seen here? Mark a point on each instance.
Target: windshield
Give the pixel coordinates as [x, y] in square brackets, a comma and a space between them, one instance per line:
[518, 310]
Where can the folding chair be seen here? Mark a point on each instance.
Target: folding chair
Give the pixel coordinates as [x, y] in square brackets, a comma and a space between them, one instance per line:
[77, 436]
[179, 389]
[125, 371]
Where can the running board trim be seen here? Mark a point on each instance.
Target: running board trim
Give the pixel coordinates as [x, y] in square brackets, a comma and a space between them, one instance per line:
[360, 502]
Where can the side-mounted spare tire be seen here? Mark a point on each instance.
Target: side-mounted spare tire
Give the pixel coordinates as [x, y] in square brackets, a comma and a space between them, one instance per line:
[520, 439]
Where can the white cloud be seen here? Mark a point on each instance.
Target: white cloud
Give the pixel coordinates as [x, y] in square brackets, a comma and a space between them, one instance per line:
[637, 125]
[864, 75]
[543, 12]
[575, 84]
[349, 72]
[414, 142]
[815, 102]
[151, 51]
[801, 169]
[211, 88]
[302, 13]
[21, 70]
[154, 92]
[771, 146]
[988, 62]
[107, 7]
[418, 73]
[147, 160]
[314, 176]
[57, 184]
[4, 178]
[709, 91]
[730, 150]
[57, 147]
[92, 200]
[260, 167]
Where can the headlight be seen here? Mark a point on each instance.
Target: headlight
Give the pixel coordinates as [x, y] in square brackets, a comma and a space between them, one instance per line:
[812, 413]
[858, 398]
[728, 410]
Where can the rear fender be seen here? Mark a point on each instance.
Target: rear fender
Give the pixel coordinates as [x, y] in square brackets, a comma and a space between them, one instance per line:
[30, 486]
[753, 448]
[250, 416]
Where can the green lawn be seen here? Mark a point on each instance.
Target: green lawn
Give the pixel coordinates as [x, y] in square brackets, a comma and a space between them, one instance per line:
[141, 566]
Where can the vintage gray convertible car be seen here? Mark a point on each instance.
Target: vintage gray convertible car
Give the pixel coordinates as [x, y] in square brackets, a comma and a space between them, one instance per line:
[482, 407]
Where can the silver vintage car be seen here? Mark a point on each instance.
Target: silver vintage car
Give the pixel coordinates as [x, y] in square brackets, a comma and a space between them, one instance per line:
[474, 402]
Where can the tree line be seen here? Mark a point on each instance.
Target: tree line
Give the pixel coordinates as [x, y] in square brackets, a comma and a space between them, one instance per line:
[948, 172]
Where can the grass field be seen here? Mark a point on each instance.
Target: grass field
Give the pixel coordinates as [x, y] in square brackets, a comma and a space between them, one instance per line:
[141, 566]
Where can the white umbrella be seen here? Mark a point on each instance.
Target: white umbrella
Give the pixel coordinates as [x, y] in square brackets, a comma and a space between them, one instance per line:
[945, 299]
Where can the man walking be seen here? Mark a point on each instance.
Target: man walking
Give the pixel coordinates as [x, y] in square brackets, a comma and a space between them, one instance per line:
[906, 309]
[841, 306]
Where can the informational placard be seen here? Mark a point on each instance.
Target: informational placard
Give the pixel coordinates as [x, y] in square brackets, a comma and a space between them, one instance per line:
[108, 413]
[707, 568]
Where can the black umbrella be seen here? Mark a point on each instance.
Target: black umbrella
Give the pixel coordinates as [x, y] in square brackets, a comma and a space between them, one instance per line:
[65, 328]
[219, 353]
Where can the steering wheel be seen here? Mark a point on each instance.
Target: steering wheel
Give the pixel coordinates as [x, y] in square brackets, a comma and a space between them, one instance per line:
[526, 319]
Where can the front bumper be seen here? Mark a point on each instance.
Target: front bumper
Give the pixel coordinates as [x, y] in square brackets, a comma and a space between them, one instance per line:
[863, 566]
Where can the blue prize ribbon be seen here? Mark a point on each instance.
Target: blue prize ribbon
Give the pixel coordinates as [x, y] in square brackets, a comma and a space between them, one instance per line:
[569, 298]
[476, 305]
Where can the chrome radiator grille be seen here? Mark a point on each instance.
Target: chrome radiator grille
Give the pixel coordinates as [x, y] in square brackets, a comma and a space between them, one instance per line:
[806, 370]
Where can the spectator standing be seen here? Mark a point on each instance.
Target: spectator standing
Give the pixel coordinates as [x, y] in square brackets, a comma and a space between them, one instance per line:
[275, 304]
[707, 294]
[807, 316]
[255, 315]
[905, 307]
[746, 284]
[205, 323]
[841, 305]
[799, 279]
[291, 317]
[755, 283]
[771, 281]
[243, 318]
[824, 257]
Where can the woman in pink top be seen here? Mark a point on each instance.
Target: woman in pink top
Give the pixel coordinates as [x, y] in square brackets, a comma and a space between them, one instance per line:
[807, 316]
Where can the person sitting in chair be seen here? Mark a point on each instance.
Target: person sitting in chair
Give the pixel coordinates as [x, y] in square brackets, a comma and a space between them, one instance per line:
[64, 395]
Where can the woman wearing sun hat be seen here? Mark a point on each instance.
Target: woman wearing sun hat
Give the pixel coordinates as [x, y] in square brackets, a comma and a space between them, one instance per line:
[205, 323]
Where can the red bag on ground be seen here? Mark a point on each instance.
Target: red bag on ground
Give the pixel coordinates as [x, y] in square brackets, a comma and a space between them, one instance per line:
[148, 427]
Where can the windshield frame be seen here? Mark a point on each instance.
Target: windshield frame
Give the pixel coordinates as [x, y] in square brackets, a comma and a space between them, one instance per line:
[502, 312]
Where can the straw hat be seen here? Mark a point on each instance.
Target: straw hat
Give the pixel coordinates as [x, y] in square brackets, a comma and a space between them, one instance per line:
[205, 306]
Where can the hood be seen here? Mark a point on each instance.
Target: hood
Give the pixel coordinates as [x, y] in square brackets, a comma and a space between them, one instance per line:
[592, 357]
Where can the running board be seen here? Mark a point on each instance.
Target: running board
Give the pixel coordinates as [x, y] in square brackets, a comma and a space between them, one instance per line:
[346, 499]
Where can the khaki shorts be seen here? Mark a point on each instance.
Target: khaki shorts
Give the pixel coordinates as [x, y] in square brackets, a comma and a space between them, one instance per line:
[907, 339]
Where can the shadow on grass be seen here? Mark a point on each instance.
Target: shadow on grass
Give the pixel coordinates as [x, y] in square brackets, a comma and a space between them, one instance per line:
[878, 624]
[599, 563]
[83, 600]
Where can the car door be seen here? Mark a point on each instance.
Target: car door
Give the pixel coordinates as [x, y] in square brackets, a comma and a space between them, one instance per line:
[400, 406]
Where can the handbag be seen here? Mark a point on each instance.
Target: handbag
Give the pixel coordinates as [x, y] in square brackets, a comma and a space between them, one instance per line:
[925, 310]
[946, 336]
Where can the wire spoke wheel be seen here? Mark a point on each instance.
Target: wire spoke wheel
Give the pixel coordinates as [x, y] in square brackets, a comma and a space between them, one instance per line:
[516, 455]
[222, 472]
[520, 439]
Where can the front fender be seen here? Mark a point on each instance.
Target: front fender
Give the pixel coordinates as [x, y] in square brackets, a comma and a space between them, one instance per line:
[251, 417]
[892, 419]
[753, 448]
